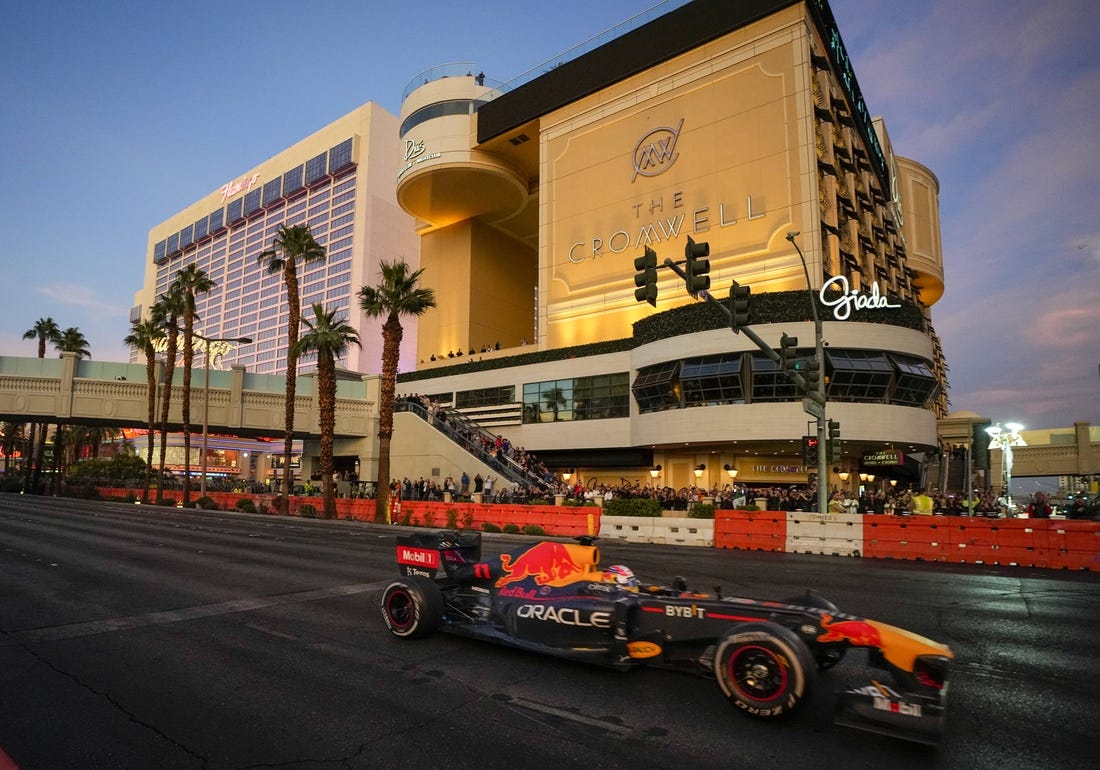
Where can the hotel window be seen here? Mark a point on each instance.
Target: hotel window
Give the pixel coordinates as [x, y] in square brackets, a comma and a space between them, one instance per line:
[217, 220]
[234, 211]
[173, 243]
[713, 380]
[292, 181]
[340, 244]
[499, 396]
[657, 387]
[915, 383]
[200, 228]
[346, 197]
[252, 200]
[316, 168]
[550, 401]
[769, 382]
[858, 375]
[344, 209]
[601, 396]
[273, 191]
[159, 252]
[340, 156]
[296, 208]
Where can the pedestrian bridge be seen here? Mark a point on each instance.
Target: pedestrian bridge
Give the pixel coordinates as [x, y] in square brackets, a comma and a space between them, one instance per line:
[76, 391]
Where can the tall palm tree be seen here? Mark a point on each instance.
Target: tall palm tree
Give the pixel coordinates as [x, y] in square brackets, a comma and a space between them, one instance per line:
[397, 295]
[291, 245]
[328, 337]
[190, 281]
[44, 330]
[144, 335]
[71, 340]
[165, 313]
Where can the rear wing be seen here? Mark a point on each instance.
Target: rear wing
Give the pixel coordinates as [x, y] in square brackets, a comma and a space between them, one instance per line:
[425, 553]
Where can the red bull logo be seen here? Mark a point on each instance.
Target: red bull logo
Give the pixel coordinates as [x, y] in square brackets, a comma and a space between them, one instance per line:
[857, 632]
[553, 564]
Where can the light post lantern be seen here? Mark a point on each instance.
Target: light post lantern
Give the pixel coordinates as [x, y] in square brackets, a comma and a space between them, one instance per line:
[1004, 438]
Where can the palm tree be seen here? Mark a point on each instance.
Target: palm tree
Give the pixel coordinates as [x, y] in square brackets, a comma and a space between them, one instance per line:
[144, 335]
[291, 245]
[397, 295]
[190, 281]
[328, 337]
[71, 340]
[165, 313]
[44, 330]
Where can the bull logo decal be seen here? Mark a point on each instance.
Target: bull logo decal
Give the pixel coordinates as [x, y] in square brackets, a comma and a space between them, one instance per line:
[655, 152]
[545, 562]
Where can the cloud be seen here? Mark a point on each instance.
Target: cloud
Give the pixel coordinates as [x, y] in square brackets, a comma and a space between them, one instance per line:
[79, 296]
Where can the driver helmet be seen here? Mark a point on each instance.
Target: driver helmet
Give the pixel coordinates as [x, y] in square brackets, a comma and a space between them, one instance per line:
[621, 576]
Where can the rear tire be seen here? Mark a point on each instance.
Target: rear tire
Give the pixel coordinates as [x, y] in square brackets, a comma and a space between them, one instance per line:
[412, 607]
[764, 669]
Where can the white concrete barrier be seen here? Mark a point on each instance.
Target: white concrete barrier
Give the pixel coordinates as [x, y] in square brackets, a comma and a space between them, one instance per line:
[833, 534]
[670, 531]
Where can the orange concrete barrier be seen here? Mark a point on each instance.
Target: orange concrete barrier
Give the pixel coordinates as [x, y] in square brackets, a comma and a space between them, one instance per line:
[1074, 544]
[916, 538]
[750, 530]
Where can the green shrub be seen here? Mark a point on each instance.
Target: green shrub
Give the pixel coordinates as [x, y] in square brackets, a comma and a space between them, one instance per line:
[489, 527]
[701, 511]
[429, 519]
[131, 498]
[262, 508]
[511, 529]
[532, 529]
[406, 517]
[467, 519]
[452, 518]
[206, 503]
[168, 501]
[245, 505]
[307, 511]
[622, 506]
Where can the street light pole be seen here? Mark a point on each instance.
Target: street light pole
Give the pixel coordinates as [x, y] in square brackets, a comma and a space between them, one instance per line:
[819, 354]
[206, 400]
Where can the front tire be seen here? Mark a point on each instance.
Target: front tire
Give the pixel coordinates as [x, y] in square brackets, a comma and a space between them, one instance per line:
[764, 669]
[412, 607]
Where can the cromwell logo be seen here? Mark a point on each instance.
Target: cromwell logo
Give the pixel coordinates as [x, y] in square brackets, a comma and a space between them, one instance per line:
[655, 152]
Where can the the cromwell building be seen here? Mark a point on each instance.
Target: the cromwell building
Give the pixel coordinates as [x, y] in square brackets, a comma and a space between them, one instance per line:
[732, 123]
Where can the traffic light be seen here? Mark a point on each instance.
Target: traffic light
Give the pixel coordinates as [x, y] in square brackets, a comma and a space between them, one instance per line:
[811, 371]
[834, 441]
[809, 451]
[646, 279]
[697, 268]
[788, 354]
[739, 306]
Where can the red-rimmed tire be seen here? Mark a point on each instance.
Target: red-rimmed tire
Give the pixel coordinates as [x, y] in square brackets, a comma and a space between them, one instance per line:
[764, 669]
[412, 607]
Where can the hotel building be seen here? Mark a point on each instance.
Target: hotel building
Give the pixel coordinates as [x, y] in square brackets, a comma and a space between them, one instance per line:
[339, 181]
[733, 123]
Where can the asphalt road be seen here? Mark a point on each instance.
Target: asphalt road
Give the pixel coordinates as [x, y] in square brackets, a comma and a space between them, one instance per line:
[144, 637]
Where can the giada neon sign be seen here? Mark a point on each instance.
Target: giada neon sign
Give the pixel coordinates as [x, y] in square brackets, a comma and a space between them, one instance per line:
[850, 299]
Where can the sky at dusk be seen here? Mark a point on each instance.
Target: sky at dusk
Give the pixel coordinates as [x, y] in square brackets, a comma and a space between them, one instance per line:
[118, 114]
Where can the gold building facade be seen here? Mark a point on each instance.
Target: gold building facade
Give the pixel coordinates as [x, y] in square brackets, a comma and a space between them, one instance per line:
[736, 124]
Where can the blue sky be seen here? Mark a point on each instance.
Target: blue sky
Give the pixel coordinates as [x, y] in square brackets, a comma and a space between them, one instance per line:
[117, 114]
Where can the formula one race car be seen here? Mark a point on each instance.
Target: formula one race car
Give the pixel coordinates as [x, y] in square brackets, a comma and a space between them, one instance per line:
[554, 598]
